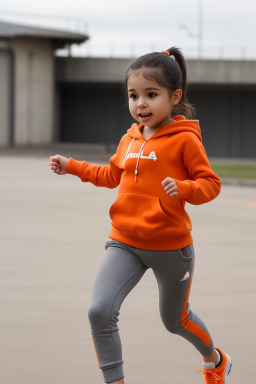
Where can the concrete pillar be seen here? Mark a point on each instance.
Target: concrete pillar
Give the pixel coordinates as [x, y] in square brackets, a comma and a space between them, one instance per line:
[34, 90]
[5, 93]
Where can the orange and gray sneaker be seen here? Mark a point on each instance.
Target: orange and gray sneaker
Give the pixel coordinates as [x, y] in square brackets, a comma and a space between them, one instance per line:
[217, 374]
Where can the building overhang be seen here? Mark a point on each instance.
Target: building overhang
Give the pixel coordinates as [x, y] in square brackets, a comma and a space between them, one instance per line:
[59, 38]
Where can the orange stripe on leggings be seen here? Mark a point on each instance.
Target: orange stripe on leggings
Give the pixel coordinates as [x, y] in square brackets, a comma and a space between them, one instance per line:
[189, 325]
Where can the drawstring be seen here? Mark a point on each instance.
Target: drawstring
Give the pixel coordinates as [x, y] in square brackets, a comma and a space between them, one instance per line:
[137, 165]
[128, 150]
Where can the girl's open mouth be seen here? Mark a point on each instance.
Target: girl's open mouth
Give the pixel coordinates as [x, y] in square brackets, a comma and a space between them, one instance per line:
[145, 116]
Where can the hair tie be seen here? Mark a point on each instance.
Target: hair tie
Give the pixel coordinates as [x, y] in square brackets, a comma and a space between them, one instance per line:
[168, 53]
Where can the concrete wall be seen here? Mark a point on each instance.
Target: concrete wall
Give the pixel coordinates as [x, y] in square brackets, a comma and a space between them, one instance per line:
[84, 70]
[5, 66]
[223, 93]
[92, 70]
[222, 72]
[37, 92]
[34, 91]
[99, 114]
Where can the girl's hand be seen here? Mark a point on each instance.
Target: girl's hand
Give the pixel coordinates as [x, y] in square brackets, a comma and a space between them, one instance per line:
[59, 164]
[170, 187]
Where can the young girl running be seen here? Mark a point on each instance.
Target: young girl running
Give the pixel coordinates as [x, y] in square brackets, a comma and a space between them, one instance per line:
[160, 164]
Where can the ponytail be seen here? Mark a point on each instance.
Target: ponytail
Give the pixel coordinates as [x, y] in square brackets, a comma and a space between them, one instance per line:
[183, 107]
[171, 72]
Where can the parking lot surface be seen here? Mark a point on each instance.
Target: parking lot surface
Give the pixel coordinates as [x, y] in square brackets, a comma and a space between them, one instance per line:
[53, 231]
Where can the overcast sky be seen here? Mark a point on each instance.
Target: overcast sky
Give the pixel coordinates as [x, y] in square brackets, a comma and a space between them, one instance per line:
[138, 26]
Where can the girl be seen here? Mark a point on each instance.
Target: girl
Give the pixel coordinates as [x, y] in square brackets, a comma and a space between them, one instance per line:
[160, 165]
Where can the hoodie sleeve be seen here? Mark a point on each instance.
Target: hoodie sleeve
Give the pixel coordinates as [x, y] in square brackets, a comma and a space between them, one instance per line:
[204, 185]
[100, 175]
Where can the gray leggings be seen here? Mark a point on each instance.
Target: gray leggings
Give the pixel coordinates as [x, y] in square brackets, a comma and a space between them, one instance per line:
[120, 270]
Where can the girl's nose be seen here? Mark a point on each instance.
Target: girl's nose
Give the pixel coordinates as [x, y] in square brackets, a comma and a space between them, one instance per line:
[142, 103]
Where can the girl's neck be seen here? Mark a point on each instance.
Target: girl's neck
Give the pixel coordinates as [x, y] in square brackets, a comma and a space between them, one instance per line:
[147, 132]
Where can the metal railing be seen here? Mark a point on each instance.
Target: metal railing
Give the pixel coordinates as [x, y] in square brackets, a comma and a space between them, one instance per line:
[126, 48]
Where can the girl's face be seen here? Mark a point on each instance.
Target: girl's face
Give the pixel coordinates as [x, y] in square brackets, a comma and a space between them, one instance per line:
[150, 103]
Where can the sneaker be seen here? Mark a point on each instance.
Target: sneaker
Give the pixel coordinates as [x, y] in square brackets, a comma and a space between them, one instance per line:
[220, 374]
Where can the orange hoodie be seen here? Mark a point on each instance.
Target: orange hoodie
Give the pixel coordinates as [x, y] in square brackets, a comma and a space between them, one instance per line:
[143, 215]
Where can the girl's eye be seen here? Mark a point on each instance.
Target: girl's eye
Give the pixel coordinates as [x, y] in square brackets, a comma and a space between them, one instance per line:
[151, 95]
[133, 96]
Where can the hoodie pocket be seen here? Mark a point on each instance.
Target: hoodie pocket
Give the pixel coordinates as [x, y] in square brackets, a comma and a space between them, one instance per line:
[140, 216]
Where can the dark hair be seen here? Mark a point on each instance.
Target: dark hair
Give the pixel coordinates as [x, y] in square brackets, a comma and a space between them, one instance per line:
[169, 71]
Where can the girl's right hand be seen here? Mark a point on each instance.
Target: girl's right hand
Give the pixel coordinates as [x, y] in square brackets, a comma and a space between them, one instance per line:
[59, 164]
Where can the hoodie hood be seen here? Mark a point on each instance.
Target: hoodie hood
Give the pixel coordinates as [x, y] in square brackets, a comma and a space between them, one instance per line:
[180, 124]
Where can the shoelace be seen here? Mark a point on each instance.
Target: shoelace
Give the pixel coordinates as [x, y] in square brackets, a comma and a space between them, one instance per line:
[211, 377]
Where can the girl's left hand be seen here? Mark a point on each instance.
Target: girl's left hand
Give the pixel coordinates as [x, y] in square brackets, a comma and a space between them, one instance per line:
[170, 187]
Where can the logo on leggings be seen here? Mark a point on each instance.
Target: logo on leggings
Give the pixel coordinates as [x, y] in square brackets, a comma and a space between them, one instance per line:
[187, 276]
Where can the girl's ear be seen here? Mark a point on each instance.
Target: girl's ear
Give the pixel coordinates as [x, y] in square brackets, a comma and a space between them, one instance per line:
[176, 96]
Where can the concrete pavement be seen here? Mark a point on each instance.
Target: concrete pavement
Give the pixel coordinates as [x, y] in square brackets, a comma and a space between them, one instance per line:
[53, 231]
